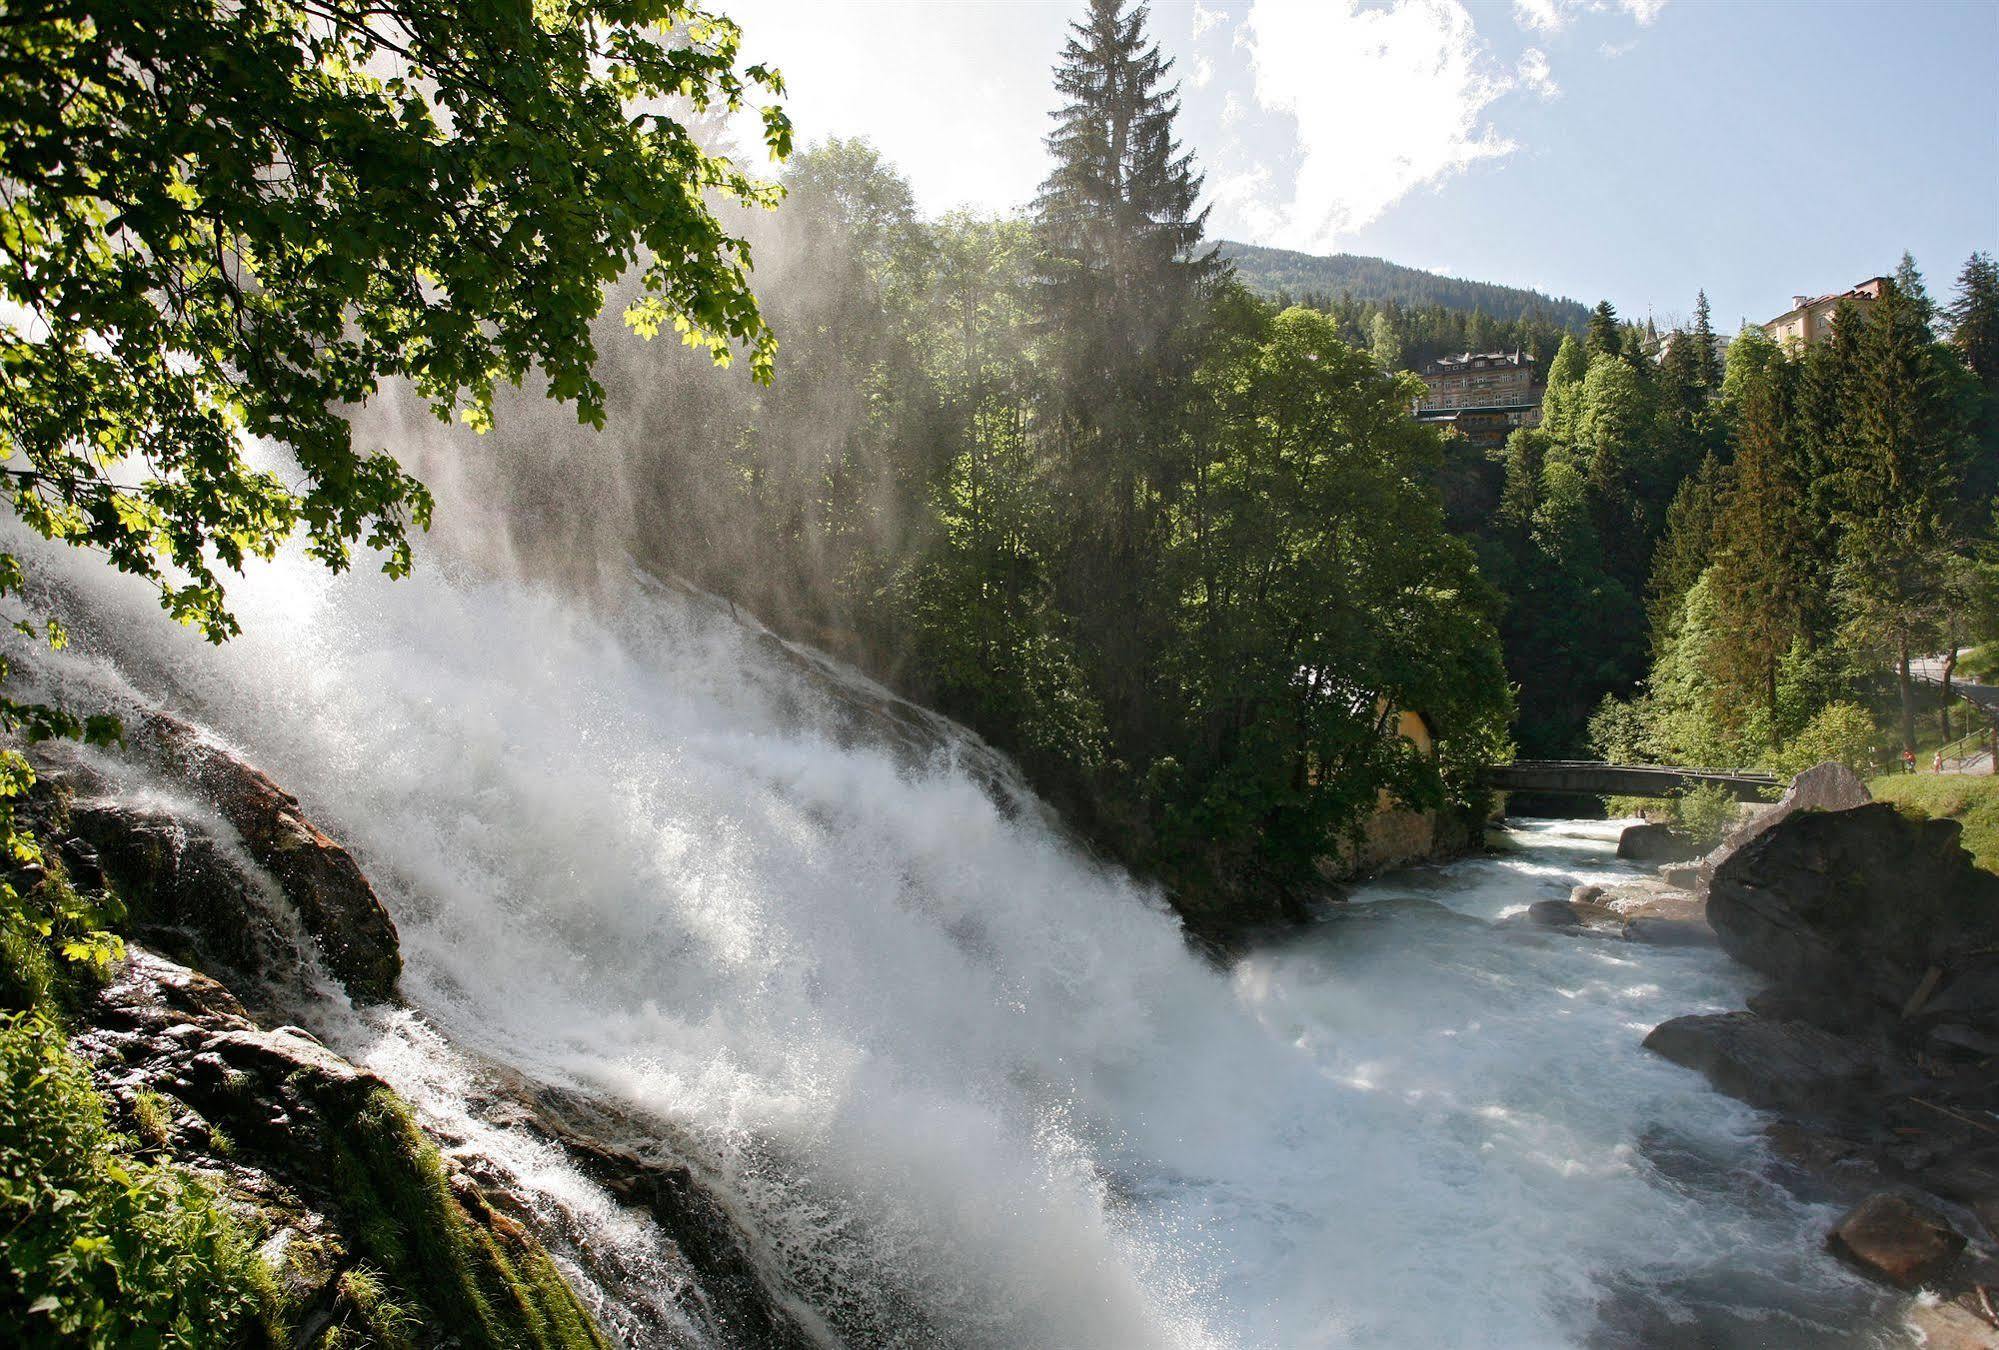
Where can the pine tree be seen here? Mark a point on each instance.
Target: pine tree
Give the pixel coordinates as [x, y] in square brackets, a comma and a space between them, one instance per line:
[1605, 337]
[1383, 343]
[1899, 485]
[1563, 396]
[1686, 547]
[1761, 572]
[1116, 214]
[1909, 282]
[1124, 281]
[1974, 319]
[1707, 361]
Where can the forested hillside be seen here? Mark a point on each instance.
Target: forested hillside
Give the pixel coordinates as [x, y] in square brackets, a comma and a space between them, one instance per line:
[1424, 314]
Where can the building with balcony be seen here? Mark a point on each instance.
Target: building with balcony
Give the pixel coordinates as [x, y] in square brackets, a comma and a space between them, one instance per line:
[1481, 396]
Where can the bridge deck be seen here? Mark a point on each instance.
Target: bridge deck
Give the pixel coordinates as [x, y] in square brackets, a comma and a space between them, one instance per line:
[1595, 778]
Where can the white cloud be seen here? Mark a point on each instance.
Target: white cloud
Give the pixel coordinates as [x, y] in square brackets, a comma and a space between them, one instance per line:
[1205, 19]
[1546, 16]
[1552, 16]
[1386, 101]
[1202, 71]
[1536, 75]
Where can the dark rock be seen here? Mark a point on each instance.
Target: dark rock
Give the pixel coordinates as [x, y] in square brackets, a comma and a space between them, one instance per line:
[1567, 914]
[1781, 1066]
[1830, 786]
[1865, 901]
[322, 1151]
[1670, 932]
[1586, 895]
[336, 905]
[1655, 843]
[1897, 1240]
[188, 894]
[1682, 878]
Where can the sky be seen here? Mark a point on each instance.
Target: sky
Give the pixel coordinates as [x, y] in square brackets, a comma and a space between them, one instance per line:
[1635, 150]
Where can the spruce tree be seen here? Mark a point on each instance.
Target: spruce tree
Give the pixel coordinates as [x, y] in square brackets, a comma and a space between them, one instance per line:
[1974, 319]
[1899, 483]
[1563, 396]
[1124, 280]
[1909, 282]
[1762, 565]
[1605, 337]
[1707, 361]
[1116, 214]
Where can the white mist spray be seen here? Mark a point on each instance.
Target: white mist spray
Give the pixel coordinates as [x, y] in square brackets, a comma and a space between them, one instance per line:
[944, 1062]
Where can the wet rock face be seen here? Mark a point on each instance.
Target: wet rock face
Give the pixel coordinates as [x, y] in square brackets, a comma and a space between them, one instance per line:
[345, 1193]
[356, 938]
[1897, 1240]
[1867, 905]
[1823, 787]
[1777, 1065]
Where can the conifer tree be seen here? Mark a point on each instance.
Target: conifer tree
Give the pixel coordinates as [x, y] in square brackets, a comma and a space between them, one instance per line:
[1974, 319]
[1563, 396]
[1761, 568]
[1686, 547]
[1706, 361]
[1909, 282]
[1383, 342]
[1899, 485]
[1124, 278]
[1605, 337]
[1116, 214]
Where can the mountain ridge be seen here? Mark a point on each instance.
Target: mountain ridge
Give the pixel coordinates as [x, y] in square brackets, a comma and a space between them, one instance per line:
[1286, 273]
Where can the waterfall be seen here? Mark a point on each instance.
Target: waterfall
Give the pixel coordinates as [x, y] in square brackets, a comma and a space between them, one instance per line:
[965, 1084]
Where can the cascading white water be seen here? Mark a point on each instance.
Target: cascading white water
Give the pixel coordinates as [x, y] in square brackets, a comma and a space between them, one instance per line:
[946, 1063]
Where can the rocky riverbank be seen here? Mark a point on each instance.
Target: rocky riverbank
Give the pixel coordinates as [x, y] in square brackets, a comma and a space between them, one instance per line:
[243, 919]
[1877, 1038]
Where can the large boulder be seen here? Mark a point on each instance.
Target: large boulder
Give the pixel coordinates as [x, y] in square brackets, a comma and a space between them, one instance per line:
[1830, 786]
[1647, 842]
[355, 936]
[1868, 905]
[1777, 1065]
[1897, 1240]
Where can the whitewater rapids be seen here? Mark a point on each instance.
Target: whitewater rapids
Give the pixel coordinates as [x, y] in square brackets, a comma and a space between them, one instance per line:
[965, 1085]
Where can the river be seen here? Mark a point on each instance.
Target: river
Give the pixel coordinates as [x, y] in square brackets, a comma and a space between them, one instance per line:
[966, 1085]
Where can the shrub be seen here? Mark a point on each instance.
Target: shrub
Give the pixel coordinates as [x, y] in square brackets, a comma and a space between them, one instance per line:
[103, 1250]
[1704, 813]
[1839, 731]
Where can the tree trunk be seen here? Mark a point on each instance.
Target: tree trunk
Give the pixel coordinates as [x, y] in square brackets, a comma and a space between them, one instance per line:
[1908, 696]
[1949, 664]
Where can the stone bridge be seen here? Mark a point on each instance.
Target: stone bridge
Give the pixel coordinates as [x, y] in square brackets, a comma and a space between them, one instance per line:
[1594, 778]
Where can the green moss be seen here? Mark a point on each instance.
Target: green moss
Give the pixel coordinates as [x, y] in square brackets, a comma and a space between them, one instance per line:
[405, 1221]
[1970, 799]
[152, 1117]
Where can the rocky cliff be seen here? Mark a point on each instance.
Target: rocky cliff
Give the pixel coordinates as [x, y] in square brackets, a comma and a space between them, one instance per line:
[243, 919]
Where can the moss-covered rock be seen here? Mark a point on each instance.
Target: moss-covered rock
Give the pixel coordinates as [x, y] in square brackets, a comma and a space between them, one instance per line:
[369, 1234]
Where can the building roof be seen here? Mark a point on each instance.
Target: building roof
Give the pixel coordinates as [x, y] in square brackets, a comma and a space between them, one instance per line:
[1869, 289]
[1451, 365]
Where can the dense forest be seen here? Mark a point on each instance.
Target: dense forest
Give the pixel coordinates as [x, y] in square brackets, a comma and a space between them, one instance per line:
[1408, 315]
[1735, 562]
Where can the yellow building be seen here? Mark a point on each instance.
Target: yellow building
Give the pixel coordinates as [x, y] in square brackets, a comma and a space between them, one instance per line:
[1808, 320]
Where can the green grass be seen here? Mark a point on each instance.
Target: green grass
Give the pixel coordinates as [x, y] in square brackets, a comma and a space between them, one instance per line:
[1978, 663]
[1972, 799]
